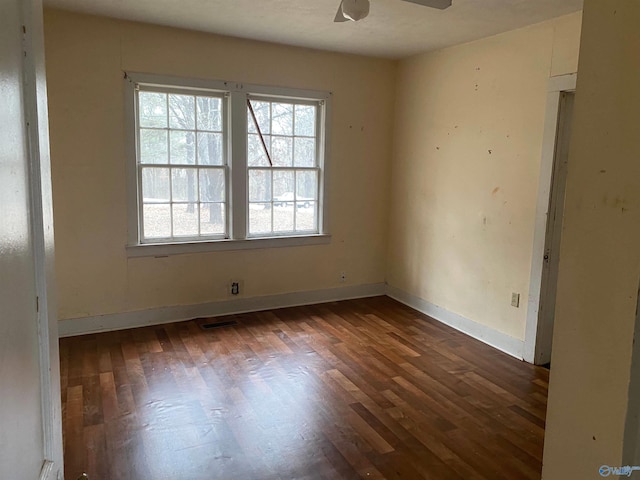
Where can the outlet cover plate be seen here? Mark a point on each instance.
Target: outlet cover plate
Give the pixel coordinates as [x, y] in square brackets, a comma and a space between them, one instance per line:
[515, 300]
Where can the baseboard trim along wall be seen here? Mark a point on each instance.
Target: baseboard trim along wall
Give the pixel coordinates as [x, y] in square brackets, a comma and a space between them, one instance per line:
[157, 316]
[488, 335]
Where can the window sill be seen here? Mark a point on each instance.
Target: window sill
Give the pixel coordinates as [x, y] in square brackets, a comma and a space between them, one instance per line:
[167, 249]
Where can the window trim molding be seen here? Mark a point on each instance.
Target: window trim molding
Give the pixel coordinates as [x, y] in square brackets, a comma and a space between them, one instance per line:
[167, 249]
[238, 186]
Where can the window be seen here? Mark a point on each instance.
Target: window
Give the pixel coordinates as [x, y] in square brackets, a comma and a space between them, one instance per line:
[283, 167]
[181, 166]
[224, 165]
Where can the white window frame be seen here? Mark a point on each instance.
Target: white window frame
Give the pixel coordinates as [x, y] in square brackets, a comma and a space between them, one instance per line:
[237, 168]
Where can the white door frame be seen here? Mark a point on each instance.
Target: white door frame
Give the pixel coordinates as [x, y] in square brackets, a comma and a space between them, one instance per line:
[36, 115]
[532, 340]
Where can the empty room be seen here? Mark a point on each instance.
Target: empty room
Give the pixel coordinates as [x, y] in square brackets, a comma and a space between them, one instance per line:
[391, 239]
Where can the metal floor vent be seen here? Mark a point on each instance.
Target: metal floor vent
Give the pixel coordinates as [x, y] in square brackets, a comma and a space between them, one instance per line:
[227, 323]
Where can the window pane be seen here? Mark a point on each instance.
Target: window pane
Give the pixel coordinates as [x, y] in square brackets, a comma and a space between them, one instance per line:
[259, 218]
[212, 185]
[306, 218]
[255, 151]
[155, 185]
[210, 113]
[183, 148]
[283, 218]
[157, 220]
[282, 151]
[210, 149]
[212, 219]
[282, 119]
[183, 185]
[306, 120]
[259, 185]
[182, 112]
[152, 109]
[185, 220]
[305, 152]
[283, 186]
[283, 200]
[262, 111]
[153, 146]
[307, 185]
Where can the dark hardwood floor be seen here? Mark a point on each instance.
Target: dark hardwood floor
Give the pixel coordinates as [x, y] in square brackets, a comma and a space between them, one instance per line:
[356, 389]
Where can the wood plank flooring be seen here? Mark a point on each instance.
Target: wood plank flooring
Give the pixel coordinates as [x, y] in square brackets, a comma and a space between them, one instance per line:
[358, 389]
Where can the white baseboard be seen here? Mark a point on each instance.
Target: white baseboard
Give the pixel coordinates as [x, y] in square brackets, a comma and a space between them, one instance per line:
[157, 316]
[48, 471]
[488, 335]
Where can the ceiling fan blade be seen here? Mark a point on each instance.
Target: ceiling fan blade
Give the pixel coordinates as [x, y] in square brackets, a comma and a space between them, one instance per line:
[439, 4]
[340, 16]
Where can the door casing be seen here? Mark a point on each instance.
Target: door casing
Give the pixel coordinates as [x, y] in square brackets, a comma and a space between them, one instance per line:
[538, 335]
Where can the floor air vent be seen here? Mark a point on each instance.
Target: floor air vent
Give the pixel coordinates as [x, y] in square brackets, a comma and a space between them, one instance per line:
[210, 325]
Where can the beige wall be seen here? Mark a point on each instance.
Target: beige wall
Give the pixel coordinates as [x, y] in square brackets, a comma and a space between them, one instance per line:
[467, 149]
[600, 252]
[86, 57]
[461, 220]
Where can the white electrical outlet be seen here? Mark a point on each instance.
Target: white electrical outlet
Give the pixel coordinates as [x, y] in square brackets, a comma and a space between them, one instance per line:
[515, 300]
[343, 276]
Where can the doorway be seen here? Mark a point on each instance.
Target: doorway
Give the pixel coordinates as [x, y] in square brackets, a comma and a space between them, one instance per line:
[549, 216]
[30, 414]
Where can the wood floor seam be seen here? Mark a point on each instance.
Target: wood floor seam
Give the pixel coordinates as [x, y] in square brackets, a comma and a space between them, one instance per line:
[357, 389]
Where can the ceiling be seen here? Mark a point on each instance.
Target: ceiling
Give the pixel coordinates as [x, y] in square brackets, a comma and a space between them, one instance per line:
[394, 29]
